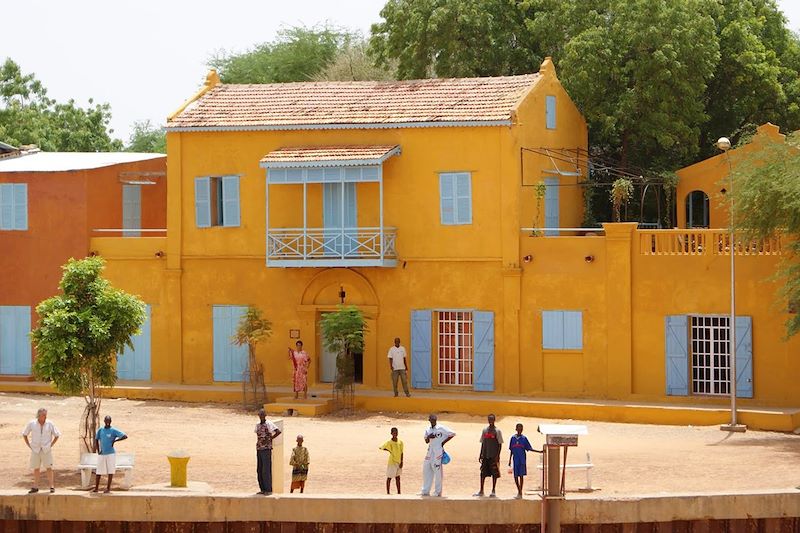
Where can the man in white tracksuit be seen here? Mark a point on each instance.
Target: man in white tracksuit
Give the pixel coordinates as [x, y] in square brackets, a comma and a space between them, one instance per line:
[436, 436]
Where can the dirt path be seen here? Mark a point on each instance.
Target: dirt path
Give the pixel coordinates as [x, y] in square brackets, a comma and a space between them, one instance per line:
[629, 458]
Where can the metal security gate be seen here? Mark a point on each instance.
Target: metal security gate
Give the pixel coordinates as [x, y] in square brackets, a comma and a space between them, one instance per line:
[455, 347]
[711, 367]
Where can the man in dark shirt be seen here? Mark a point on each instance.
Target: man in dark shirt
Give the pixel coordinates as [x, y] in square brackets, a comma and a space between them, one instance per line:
[489, 458]
[266, 432]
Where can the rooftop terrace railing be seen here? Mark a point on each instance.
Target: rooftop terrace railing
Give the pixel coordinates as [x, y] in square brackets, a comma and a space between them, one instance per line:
[706, 242]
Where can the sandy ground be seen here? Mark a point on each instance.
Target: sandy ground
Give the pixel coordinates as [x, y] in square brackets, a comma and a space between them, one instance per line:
[629, 458]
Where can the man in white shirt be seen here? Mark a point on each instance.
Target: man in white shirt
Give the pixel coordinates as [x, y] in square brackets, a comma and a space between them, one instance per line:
[397, 363]
[436, 436]
[43, 435]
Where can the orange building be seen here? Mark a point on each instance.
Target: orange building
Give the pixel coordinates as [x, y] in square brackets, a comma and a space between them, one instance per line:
[51, 203]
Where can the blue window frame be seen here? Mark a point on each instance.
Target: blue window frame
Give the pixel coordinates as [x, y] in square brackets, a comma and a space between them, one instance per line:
[455, 198]
[562, 330]
[14, 206]
[216, 201]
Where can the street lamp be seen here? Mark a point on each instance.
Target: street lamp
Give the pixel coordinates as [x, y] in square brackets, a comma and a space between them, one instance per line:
[724, 144]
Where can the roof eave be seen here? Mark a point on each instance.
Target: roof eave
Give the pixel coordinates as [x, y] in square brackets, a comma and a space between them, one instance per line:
[375, 161]
[349, 126]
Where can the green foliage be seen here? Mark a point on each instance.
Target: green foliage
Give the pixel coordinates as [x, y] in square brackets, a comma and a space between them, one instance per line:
[29, 116]
[343, 331]
[147, 138]
[252, 329]
[766, 200]
[298, 54]
[621, 193]
[456, 38]
[352, 63]
[81, 330]
[657, 80]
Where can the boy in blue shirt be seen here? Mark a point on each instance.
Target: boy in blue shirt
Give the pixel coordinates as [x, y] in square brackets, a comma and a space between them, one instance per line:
[107, 456]
[519, 447]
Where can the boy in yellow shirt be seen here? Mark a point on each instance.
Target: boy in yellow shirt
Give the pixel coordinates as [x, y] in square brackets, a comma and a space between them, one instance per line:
[395, 448]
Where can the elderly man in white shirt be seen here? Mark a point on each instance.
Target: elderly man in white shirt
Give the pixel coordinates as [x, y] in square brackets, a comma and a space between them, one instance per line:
[397, 362]
[43, 435]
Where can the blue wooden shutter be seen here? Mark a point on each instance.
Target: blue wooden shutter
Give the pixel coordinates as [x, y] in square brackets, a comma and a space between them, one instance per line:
[229, 360]
[483, 324]
[6, 206]
[8, 354]
[15, 344]
[463, 198]
[20, 206]
[447, 198]
[573, 330]
[744, 356]
[553, 330]
[220, 328]
[350, 219]
[202, 202]
[332, 218]
[134, 364]
[551, 205]
[677, 354]
[421, 349]
[231, 213]
[131, 210]
[550, 112]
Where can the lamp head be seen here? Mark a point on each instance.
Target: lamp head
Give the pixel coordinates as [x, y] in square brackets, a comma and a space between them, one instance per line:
[724, 144]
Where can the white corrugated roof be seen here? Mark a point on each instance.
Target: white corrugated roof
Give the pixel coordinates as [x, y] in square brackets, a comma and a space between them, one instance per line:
[66, 161]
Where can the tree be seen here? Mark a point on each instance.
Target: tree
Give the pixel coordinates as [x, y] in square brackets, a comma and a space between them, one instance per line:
[456, 38]
[79, 333]
[343, 331]
[298, 54]
[29, 116]
[352, 63]
[756, 78]
[252, 329]
[147, 138]
[767, 203]
[657, 80]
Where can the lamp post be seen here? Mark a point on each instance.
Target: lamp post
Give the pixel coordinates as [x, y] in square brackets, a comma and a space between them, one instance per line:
[724, 144]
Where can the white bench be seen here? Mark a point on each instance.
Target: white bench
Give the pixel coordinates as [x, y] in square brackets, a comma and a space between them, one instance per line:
[88, 466]
[587, 466]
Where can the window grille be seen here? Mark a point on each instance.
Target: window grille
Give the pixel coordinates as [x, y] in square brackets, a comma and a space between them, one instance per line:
[710, 354]
[455, 338]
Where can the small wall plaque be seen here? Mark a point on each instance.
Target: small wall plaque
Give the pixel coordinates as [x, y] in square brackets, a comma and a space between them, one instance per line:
[294, 333]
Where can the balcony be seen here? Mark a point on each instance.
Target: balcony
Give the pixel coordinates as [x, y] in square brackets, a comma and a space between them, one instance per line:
[319, 247]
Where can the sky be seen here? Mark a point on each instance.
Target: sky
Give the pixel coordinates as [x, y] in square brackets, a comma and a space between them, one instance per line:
[146, 57]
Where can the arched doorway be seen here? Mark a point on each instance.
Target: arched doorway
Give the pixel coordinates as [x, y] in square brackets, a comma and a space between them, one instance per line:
[323, 295]
[697, 210]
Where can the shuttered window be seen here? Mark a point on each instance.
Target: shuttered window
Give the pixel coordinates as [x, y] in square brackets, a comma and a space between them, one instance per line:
[455, 198]
[550, 112]
[216, 201]
[562, 330]
[14, 206]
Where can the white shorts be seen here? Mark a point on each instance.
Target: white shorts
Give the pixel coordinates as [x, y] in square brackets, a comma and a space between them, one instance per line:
[41, 459]
[393, 470]
[106, 464]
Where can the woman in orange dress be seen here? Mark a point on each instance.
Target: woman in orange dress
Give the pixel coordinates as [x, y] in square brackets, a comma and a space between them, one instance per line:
[300, 362]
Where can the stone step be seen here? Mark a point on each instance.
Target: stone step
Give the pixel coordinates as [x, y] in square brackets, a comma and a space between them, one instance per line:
[305, 408]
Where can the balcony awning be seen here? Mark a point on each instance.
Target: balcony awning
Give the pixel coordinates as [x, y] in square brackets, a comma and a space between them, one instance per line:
[329, 156]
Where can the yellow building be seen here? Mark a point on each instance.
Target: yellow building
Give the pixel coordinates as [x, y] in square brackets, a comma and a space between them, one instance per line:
[413, 200]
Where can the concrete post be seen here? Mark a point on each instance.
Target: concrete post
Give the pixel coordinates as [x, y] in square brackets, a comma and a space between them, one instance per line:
[278, 460]
[553, 496]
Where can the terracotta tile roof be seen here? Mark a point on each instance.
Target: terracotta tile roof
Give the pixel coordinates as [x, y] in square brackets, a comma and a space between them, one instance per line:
[354, 104]
[320, 154]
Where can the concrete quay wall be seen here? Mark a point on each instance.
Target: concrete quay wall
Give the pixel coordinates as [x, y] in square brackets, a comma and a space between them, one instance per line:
[157, 513]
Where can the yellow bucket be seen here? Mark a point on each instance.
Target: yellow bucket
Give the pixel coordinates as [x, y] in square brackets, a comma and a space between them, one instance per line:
[177, 471]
